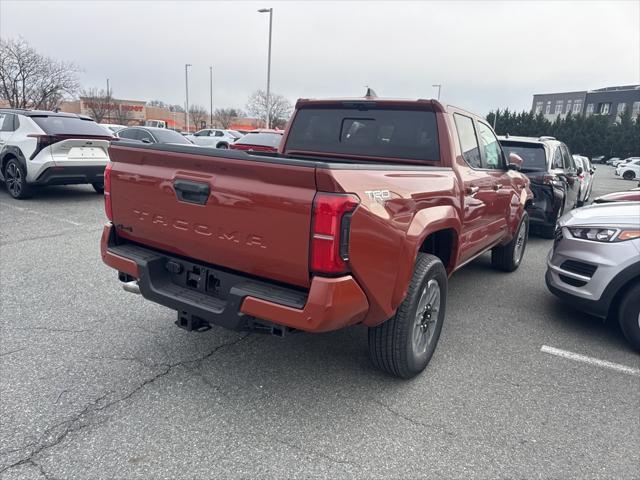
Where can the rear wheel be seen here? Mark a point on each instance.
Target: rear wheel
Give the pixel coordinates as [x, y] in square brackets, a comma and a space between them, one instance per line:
[629, 175]
[15, 178]
[222, 145]
[98, 187]
[509, 256]
[403, 345]
[629, 316]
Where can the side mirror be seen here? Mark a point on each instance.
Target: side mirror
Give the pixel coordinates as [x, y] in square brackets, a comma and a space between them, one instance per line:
[146, 140]
[515, 162]
[579, 171]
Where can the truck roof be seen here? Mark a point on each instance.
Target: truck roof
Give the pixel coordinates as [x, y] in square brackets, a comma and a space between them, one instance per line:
[377, 101]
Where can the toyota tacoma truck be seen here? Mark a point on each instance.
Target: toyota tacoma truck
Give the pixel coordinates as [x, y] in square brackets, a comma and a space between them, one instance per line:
[359, 218]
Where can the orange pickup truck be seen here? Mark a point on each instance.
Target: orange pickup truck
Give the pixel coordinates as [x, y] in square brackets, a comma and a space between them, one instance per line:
[360, 217]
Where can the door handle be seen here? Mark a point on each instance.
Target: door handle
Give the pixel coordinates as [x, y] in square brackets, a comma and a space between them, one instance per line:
[497, 186]
[192, 192]
[472, 190]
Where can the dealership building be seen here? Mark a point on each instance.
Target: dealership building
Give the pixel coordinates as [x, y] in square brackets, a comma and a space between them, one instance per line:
[609, 101]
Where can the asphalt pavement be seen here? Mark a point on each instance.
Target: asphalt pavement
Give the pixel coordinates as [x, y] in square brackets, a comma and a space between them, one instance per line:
[99, 383]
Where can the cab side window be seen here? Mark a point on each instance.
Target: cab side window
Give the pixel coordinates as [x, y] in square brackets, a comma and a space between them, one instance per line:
[7, 122]
[468, 140]
[493, 157]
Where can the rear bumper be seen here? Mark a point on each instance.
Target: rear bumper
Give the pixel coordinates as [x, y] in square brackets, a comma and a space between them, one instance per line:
[546, 205]
[63, 175]
[233, 300]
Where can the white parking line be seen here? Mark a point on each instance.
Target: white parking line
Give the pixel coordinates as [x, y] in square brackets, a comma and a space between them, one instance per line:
[35, 212]
[590, 360]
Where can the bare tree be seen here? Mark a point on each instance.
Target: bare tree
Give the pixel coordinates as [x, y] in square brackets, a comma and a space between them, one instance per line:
[121, 114]
[198, 115]
[279, 108]
[99, 103]
[224, 117]
[31, 80]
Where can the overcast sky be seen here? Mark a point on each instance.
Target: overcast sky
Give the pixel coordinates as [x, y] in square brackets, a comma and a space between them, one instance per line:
[485, 54]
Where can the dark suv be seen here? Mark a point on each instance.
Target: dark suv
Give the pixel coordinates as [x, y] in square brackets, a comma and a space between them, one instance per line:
[554, 178]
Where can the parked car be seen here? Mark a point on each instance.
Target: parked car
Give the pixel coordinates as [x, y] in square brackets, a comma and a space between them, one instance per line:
[629, 170]
[261, 140]
[595, 263]
[626, 160]
[359, 220]
[632, 195]
[554, 178]
[153, 135]
[585, 178]
[112, 127]
[155, 123]
[213, 137]
[613, 161]
[598, 159]
[40, 148]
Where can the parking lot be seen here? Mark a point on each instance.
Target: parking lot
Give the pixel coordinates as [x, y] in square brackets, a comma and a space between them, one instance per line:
[99, 383]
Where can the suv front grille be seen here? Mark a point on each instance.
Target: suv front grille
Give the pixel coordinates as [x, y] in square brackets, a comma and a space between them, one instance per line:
[581, 268]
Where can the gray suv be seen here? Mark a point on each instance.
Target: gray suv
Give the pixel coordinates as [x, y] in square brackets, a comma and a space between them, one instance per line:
[595, 263]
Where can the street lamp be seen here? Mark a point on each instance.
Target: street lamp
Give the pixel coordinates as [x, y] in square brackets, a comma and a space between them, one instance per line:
[210, 97]
[439, 88]
[186, 85]
[270, 11]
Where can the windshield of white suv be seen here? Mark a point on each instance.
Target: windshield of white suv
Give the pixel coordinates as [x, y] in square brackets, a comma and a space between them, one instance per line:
[59, 125]
[534, 156]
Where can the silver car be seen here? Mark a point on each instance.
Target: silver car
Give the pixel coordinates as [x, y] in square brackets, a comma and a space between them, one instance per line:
[595, 263]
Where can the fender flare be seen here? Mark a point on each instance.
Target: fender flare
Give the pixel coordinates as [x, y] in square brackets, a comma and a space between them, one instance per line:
[14, 152]
[424, 223]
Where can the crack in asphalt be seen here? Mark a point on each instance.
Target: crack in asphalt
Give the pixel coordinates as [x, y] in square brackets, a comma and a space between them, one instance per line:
[415, 423]
[311, 451]
[12, 351]
[56, 434]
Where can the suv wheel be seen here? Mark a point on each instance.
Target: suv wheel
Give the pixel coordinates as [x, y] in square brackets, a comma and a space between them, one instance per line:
[509, 256]
[403, 345]
[15, 178]
[629, 175]
[629, 315]
[98, 187]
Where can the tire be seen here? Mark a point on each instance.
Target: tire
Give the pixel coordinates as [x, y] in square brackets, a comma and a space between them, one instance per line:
[222, 146]
[15, 178]
[403, 345]
[629, 315]
[508, 257]
[629, 175]
[98, 187]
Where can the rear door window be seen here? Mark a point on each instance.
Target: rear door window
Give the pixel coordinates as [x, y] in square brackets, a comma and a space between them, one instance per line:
[492, 153]
[366, 131]
[129, 133]
[468, 140]
[557, 159]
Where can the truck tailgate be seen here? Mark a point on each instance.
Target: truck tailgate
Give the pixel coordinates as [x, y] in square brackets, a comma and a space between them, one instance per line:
[249, 216]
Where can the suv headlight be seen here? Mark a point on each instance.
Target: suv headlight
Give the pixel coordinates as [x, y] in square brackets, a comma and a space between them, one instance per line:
[603, 234]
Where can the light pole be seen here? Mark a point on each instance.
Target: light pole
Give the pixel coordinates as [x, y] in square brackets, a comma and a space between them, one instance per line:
[108, 99]
[439, 88]
[270, 11]
[186, 84]
[210, 97]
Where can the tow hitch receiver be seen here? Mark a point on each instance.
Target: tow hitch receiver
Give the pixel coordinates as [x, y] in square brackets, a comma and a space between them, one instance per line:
[191, 323]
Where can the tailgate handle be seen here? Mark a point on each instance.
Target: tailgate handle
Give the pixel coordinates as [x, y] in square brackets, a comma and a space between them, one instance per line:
[191, 192]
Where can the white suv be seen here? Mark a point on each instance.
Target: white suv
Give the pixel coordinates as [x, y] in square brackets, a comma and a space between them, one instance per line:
[39, 148]
[212, 137]
[629, 170]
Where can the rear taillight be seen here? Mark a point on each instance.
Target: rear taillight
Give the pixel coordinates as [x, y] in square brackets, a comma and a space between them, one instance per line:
[43, 142]
[107, 192]
[330, 228]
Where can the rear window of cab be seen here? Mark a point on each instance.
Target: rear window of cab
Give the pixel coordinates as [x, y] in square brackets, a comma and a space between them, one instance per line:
[377, 132]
